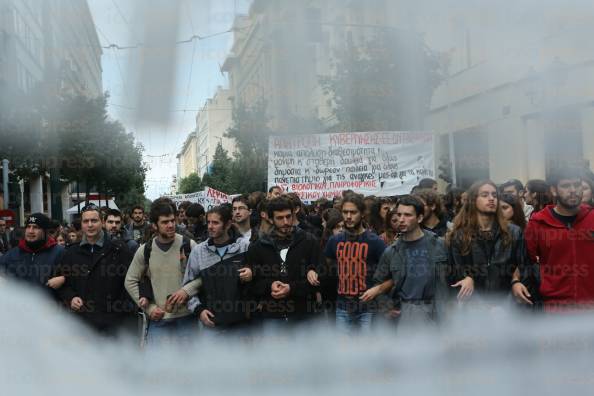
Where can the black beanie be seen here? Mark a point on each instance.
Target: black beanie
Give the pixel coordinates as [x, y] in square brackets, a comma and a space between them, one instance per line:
[40, 220]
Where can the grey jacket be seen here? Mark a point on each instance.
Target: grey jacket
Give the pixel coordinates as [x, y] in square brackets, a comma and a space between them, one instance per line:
[392, 265]
[204, 256]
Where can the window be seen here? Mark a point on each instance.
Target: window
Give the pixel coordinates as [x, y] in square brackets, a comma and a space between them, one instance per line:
[26, 36]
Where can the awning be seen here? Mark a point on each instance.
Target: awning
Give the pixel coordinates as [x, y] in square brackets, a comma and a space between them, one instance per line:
[76, 208]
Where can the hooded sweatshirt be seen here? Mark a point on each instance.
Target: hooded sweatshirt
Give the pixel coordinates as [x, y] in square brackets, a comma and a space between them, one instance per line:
[221, 291]
[564, 254]
[34, 266]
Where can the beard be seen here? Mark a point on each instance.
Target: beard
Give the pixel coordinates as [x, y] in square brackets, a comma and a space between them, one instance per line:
[354, 227]
[568, 204]
[166, 235]
[487, 212]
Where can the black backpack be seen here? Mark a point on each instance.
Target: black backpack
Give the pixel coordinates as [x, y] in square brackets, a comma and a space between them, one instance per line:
[145, 286]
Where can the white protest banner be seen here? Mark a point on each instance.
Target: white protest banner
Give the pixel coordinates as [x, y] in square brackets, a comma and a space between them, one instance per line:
[192, 197]
[216, 195]
[208, 198]
[370, 163]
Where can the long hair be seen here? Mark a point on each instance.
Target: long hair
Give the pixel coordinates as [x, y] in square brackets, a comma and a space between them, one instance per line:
[518, 218]
[333, 218]
[452, 201]
[589, 182]
[388, 230]
[376, 222]
[466, 227]
[223, 211]
[543, 195]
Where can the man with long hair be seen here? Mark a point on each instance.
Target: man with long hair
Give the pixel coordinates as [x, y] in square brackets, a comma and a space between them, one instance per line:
[484, 249]
[355, 254]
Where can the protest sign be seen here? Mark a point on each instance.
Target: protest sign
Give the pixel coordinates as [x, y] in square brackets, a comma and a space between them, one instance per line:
[370, 163]
[208, 198]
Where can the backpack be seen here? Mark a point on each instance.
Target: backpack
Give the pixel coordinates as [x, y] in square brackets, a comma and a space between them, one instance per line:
[145, 286]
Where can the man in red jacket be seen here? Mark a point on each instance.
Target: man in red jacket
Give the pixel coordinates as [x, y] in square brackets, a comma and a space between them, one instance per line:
[561, 239]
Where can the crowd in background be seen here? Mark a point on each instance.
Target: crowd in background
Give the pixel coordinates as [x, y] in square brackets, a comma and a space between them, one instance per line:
[268, 261]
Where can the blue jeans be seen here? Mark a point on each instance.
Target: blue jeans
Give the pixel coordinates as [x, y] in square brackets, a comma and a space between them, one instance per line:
[172, 331]
[351, 321]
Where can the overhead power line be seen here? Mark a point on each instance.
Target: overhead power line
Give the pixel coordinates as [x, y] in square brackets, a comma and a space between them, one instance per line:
[194, 37]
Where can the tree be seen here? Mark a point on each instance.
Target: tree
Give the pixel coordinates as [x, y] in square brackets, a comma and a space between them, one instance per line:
[251, 132]
[190, 184]
[24, 143]
[217, 176]
[73, 137]
[127, 200]
[385, 84]
[92, 148]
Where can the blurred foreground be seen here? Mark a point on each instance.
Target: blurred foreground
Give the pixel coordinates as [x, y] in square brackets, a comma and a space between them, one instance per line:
[491, 354]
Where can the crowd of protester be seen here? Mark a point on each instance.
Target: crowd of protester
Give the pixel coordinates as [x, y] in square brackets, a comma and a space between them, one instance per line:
[264, 263]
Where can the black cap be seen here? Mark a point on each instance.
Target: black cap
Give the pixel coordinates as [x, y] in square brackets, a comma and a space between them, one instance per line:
[40, 220]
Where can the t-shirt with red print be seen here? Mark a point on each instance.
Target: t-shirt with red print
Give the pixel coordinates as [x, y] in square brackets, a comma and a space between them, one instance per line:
[356, 260]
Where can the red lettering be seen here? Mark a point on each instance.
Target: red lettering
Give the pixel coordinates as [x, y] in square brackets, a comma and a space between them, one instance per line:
[352, 267]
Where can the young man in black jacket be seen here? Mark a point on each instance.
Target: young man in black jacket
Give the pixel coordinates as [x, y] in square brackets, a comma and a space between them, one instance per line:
[484, 249]
[222, 303]
[112, 223]
[280, 261]
[95, 270]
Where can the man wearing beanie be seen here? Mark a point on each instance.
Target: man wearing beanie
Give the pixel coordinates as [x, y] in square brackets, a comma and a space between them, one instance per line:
[35, 258]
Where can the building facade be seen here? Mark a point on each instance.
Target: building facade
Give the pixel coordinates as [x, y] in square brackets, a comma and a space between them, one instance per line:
[51, 44]
[212, 122]
[281, 49]
[188, 157]
[517, 95]
[48, 48]
[518, 99]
